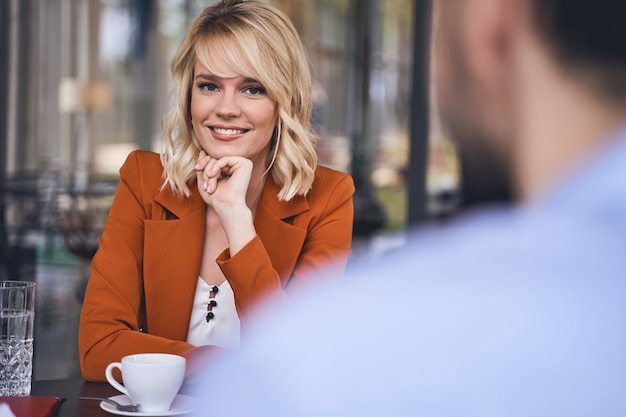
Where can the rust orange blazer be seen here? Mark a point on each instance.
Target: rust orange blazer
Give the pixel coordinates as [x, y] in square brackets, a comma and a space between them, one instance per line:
[145, 272]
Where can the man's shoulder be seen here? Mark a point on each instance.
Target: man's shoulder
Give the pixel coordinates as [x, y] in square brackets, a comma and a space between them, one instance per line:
[462, 320]
[529, 245]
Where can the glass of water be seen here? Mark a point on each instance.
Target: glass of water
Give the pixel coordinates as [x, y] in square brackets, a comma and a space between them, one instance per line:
[17, 313]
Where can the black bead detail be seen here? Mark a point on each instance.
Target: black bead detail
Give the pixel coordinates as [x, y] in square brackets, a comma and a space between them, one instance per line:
[214, 289]
[212, 303]
[209, 316]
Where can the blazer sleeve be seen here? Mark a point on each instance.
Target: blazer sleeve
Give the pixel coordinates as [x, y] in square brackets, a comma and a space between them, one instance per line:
[323, 256]
[111, 314]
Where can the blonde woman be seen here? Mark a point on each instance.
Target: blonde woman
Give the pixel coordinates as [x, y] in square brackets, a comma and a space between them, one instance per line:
[233, 211]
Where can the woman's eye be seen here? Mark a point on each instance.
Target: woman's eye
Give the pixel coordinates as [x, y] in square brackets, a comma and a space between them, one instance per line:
[207, 86]
[255, 90]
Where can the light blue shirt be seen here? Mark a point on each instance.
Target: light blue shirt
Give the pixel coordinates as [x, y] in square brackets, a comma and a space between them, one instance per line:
[516, 312]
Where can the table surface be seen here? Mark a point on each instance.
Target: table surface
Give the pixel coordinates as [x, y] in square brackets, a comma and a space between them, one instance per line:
[68, 390]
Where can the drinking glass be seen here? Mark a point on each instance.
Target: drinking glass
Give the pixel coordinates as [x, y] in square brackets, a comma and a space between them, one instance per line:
[17, 313]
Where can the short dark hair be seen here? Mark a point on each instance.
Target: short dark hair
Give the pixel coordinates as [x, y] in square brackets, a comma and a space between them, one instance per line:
[589, 37]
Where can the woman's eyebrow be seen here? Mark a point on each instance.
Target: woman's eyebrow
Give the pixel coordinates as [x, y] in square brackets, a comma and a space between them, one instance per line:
[209, 77]
[212, 77]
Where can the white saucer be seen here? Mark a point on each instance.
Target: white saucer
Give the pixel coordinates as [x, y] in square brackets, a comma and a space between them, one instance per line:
[182, 404]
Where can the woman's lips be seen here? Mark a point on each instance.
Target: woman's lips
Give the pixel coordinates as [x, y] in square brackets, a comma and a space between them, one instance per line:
[228, 131]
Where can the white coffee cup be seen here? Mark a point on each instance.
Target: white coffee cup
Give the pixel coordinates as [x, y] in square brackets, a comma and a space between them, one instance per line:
[151, 380]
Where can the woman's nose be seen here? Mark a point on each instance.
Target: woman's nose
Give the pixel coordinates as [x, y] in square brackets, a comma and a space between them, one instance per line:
[228, 106]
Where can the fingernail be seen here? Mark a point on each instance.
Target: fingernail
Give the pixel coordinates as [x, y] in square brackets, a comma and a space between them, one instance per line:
[204, 185]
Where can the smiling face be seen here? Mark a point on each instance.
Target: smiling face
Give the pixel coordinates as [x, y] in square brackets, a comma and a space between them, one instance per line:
[231, 115]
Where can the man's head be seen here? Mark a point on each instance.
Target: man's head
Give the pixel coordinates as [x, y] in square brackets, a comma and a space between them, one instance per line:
[587, 38]
[490, 54]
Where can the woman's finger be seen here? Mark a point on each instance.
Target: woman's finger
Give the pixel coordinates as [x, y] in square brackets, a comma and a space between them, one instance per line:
[211, 174]
[227, 165]
[202, 161]
[215, 171]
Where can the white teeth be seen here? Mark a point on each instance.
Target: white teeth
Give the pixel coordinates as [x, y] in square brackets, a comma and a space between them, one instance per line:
[228, 131]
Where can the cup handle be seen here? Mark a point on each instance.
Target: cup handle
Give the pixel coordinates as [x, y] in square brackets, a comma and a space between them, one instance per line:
[111, 379]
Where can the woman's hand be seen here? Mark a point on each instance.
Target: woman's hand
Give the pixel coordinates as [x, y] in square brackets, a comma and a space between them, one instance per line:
[223, 183]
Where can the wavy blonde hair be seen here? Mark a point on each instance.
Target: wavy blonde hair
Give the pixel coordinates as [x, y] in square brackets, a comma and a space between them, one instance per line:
[257, 41]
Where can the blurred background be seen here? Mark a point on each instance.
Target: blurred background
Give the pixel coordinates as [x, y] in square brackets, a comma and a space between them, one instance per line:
[86, 81]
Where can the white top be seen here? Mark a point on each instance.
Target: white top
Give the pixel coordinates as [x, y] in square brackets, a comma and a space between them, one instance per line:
[224, 329]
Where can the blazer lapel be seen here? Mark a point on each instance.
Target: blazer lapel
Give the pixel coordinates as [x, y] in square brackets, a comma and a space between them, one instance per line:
[180, 206]
[173, 249]
[283, 241]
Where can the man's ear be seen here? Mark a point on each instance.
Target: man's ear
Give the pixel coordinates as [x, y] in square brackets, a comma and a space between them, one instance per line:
[489, 28]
